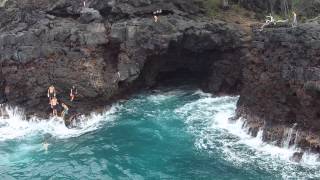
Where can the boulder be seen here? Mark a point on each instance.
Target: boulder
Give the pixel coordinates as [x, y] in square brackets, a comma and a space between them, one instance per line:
[88, 15]
[296, 157]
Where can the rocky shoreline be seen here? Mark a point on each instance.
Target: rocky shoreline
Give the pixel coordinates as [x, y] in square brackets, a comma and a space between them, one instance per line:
[110, 49]
[281, 90]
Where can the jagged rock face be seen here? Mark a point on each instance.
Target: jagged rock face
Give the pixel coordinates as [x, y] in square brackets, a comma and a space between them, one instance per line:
[106, 47]
[282, 82]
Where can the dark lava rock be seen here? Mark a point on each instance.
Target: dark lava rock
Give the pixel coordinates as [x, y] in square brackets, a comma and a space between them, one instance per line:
[281, 81]
[296, 157]
[113, 47]
[90, 15]
[109, 48]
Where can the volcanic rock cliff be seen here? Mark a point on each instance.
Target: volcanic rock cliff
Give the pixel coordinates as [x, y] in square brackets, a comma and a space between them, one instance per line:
[112, 47]
[109, 47]
[282, 85]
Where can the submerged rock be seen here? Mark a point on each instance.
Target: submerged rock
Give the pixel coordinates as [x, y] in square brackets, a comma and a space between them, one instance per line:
[296, 157]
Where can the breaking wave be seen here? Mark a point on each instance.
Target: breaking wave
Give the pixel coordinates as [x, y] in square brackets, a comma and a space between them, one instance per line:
[208, 120]
[14, 125]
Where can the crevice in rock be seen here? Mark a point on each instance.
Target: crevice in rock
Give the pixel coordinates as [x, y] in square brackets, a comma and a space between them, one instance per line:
[3, 98]
[62, 13]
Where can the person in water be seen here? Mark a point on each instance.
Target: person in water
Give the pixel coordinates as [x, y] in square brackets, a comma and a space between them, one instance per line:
[54, 106]
[73, 93]
[45, 146]
[51, 93]
[65, 110]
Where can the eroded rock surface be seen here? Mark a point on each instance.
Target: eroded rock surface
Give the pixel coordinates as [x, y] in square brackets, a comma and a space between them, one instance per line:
[281, 87]
[109, 46]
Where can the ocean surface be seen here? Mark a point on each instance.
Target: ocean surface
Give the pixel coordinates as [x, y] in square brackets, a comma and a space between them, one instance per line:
[179, 133]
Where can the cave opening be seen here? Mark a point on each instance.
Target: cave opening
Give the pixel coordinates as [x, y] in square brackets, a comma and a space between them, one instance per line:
[217, 71]
[179, 67]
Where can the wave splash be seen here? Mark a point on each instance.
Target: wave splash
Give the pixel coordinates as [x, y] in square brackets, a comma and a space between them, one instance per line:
[208, 120]
[13, 125]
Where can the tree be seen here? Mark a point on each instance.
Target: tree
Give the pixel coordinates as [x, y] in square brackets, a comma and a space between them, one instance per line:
[285, 8]
[225, 4]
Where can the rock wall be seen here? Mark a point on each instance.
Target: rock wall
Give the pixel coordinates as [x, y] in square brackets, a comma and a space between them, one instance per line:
[281, 87]
[109, 48]
[103, 48]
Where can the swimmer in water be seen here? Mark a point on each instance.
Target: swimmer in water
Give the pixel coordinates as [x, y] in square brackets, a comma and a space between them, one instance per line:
[45, 146]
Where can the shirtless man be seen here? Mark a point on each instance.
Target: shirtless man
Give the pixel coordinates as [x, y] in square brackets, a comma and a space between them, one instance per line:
[54, 106]
[51, 93]
[155, 18]
[73, 93]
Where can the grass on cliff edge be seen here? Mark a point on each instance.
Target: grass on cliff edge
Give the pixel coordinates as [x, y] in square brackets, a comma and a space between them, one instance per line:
[212, 7]
[214, 10]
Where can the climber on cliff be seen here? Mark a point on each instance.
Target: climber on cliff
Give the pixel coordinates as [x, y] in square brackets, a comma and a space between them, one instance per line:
[65, 110]
[155, 18]
[54, 106]
[73, 93]
[51, 93]
[155, 14]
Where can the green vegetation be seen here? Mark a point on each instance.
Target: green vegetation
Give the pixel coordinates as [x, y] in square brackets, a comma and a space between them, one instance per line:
[295, 3]
[213, 7]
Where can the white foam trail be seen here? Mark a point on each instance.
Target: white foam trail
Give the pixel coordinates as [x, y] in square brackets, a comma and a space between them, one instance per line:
[160, 97]
[16, 126]
[288, 136]
[208, 119]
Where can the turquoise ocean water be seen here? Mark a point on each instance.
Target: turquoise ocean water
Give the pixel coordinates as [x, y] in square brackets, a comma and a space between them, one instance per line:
[178, 133]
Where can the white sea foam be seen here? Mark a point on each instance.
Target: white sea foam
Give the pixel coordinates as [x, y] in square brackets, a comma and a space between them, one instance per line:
[208, 119]
[15, 124]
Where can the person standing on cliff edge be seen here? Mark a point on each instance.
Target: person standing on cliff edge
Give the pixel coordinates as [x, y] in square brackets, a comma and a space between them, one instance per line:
[294, 21]
[54, 106]
[73, 93]
[51, 93]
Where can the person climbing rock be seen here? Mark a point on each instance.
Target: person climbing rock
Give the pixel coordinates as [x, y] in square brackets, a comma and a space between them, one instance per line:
[65, 110]
[54, 106]
[155, 18]
[155, 15]
[51, 93]
[73, 93]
